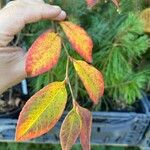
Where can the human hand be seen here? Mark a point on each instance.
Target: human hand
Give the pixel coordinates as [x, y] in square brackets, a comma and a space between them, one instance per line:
[13, 18]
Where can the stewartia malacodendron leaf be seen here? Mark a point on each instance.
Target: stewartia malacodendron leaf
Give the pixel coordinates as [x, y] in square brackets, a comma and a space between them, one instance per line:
[91, 3]
[42, 111]
[85, 134]
[79, 39]
[91, 78]
[70, 129]
[44, 53]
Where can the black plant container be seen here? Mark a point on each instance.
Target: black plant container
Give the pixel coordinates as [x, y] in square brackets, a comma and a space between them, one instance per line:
[17, 92]
[109, 128]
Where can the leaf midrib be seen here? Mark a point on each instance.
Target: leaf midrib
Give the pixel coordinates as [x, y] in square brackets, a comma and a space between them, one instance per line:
[40, 114]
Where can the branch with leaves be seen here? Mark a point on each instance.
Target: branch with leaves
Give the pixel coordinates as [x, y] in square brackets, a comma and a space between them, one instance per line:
[44, 109]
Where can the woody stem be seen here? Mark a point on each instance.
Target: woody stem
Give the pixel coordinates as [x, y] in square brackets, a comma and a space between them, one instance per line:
[67, 74]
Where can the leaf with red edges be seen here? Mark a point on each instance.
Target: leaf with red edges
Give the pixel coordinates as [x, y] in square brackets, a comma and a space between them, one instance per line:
[91, 3]
[70, 130]
[91, 78]
[41, 112]
[85, 134]
[79, 39]
[44, 53]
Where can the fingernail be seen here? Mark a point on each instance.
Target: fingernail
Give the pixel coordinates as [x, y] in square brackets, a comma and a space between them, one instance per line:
[56, 7]
[63, 13]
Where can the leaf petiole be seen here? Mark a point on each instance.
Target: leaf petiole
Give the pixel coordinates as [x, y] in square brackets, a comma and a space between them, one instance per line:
[67, 74]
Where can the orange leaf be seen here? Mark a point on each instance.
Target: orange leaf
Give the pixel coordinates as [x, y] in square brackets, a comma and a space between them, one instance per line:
[42, 111]
[43, 54]
[91, 78]
[70, 130]
[91, 3]
[85, 134]
[79, 39]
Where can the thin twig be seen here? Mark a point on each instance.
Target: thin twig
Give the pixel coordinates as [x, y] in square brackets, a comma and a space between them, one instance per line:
[68, 80]
[27, 34]
[66, 50]
[76, 85]
[67, 74]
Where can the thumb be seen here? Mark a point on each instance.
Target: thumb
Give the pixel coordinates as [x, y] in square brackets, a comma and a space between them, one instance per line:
[12, 67]
[16, 14]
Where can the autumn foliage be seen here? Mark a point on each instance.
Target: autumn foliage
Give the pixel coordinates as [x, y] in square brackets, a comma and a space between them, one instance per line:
[43, 54]
[92, 3]
[43, 110]
[79, 40]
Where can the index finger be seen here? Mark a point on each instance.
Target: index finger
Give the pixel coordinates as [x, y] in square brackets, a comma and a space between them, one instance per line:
[14, 16]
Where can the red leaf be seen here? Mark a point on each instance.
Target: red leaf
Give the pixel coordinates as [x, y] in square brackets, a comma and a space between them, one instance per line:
[85, 134]
[91, 3]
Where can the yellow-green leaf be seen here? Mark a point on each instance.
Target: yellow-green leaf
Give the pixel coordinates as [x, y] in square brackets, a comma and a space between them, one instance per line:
[70, 130]
[42, 111]
[91, 78]
[79, 39]
[43, 54]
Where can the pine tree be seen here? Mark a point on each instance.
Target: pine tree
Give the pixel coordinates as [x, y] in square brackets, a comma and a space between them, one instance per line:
[119, 47]
[119, 52]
